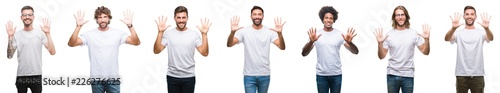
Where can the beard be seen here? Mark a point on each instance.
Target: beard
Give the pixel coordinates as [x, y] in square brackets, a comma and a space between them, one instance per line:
[104, 24]
[257, 21]
[469, 24]
[181, 25]
[27, 22]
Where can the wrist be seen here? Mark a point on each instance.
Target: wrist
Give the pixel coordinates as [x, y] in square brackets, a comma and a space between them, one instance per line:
[130, 25]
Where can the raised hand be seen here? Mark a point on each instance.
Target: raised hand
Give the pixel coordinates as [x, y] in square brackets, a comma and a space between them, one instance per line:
[80, 20]
[456, 20]
[162, 23]
[46, 25]
[426, 33]
[278, 24]
[486, 20]
[205, 25]
[379, 34]
[10, 29]
[350, 35]
[312, 35]
[234, 23]
[127, 19]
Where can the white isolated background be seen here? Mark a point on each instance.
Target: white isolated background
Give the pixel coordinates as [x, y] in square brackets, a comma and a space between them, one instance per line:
[221, 72]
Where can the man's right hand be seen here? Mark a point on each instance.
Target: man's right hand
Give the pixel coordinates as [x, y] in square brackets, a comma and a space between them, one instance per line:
[80, 20]
[234, 24]
[10, 29]
[162, 23]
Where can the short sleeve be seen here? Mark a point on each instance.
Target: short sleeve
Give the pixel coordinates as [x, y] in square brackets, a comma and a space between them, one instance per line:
[84, 39]
[274, 37]
[419, 40]
[385, 44]
[164, 39]
[123, 37]
[485, 38]
[239, 36]
[43, 38]
[454, 39]
[198, 40]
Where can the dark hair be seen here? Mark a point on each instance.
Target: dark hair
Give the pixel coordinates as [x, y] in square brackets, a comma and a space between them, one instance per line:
[180, 9]
[407, 21]
[257, 7]
[470, 7]
[102, 10]
[27, 7]
[328, 9]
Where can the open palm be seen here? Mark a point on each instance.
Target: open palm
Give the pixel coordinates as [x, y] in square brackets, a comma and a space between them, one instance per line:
[205, 25]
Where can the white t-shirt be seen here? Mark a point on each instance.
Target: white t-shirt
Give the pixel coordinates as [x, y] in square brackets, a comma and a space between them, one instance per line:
[401, 45]
[181, 47]
[257, 44]
[29, 51]
[469, 52]
[327, 49]
[103, 49]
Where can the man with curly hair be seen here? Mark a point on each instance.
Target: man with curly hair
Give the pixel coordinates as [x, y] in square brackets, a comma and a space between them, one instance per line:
[103, 45]
[328, 67]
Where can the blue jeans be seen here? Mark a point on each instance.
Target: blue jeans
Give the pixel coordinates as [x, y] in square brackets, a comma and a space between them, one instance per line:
[256, 83]
[394, 83]
[108, 86]
[180, 85]
[329, 83]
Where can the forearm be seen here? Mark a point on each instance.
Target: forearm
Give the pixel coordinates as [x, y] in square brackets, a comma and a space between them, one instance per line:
[427, 48]
[381, 51]
[449, 34]
[489, 34]
[158, 47]
[353, 48]
[307, 48]
[230, 39]
[204, 45]
[74, 37]
[50, 44]
[282, 41]
[134, 37]
[10, 48]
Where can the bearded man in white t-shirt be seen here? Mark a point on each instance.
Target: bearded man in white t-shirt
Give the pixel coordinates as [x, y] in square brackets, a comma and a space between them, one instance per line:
[400, 42]
[469, 68]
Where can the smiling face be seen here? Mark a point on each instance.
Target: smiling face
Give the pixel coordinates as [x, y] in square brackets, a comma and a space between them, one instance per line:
[27, 17]
[328, 20]
[470, 17]
[103, 20]
[400, 17]
[257, 17]
[181, 20]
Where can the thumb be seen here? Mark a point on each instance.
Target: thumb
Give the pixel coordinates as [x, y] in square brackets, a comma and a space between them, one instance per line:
[319, 35]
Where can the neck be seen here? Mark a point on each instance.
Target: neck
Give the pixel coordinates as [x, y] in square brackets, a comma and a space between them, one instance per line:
[179, 29]
[400, 28]
[257, 26]
[28, 28]
[470, 26]
[103, 28]
[328, 29]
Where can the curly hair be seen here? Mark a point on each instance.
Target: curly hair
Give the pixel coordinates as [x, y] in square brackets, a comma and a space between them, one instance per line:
[328, 9]
[102, 10]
